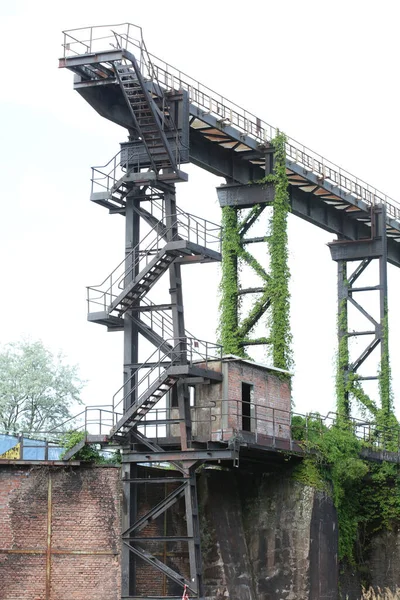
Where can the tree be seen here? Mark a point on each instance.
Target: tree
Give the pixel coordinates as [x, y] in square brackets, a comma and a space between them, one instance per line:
[37, 390]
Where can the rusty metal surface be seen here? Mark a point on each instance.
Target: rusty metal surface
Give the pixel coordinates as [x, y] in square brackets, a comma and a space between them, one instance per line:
[48, 546]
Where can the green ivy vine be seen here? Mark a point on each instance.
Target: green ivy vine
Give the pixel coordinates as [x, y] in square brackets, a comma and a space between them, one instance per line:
[385, 377]
[366, 494]
[348, 384]
[280, 332]
[276, 295]
[229, 304]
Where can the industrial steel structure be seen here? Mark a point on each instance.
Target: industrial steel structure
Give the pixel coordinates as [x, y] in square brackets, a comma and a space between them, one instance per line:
[171, 119]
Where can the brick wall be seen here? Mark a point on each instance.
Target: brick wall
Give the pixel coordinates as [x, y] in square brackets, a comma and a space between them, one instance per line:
[81, 562]
[270, 402]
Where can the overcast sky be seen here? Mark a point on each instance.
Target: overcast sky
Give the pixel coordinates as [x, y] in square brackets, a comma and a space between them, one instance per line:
[326, 73]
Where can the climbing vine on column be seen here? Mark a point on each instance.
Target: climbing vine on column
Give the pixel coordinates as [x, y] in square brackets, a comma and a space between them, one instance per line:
[229, 305]
[234, 336]
[279, 322]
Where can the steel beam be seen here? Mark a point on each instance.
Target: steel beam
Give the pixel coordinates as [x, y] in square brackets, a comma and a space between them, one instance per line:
[172, 456]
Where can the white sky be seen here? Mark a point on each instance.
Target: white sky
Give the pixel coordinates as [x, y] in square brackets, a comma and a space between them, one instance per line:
[326, 73]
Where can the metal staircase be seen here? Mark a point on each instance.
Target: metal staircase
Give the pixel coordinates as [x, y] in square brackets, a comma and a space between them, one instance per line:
[149, 120]
[196, 240]
[140, 392]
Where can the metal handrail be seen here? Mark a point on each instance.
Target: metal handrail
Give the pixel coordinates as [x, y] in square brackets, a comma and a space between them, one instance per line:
[186, 226]
[185, 350]
[159, 320]
[265, 420]
[248, 124]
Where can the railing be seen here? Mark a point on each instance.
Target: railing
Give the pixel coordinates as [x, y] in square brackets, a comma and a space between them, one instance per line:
[220, 420]
[27, 447]
[185, 351]
[106, 292]
[81, 41]
[183, 225]
[159, 320]
[194, 229]
[224, 420]
[104, 177]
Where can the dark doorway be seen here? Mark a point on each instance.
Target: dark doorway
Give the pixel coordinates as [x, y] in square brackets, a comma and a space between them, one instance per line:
[246, 406]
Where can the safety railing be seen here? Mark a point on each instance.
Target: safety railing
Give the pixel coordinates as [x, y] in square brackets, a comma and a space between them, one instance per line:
[179, 351]
[217, 421]
[22, 446]
[103, 294]
[159, 320]
[183, 226]
[228, 113]
[258, 423]
[105, 177]
[194, 229]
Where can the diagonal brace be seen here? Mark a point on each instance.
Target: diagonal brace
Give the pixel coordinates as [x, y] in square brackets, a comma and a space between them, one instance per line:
[364, 355]
[154, 562]
[255, 314]
[157, 510]
[153, 446]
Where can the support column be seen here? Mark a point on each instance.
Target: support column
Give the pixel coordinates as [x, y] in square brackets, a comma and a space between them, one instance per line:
[342, 394]
[349, 380]
[131, 333]
[180, 341]
[131, 356]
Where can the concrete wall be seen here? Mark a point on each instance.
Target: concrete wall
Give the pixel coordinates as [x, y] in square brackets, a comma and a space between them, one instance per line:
[267, 537]
[59, 533]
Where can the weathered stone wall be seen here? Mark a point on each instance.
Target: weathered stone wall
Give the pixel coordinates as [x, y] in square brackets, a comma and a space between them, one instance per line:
[378, 566]
[59, 533]
[267, 537]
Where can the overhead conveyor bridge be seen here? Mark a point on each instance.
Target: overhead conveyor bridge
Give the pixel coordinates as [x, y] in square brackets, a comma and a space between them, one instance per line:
[224, 138]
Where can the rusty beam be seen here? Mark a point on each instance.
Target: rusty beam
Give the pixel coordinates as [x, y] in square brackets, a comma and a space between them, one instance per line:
[48, 545]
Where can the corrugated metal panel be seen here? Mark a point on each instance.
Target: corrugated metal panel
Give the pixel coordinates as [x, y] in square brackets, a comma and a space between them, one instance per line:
[32, 449]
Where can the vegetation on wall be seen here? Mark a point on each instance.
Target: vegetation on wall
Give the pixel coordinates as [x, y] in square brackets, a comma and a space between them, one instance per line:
[89, 452]
[385, 378]
[366, 494]
[348, 385]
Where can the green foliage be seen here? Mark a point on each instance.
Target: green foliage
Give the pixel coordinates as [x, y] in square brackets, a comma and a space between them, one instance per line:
[229, 305]
[89, 452]
[232, 336]
[349, 386]
[366, 494]
[37, 390]
[342, 392]
[308, 473]
[385, 378]
[280, 332]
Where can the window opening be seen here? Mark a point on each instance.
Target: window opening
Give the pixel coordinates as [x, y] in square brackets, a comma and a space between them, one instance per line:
[246, 406]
